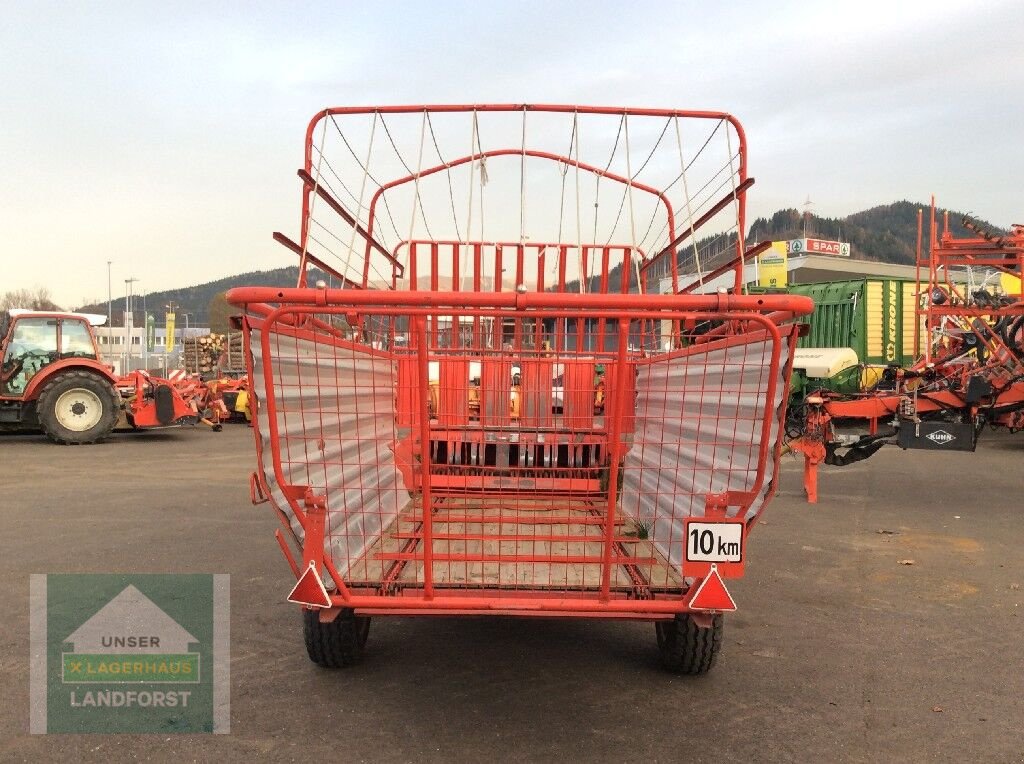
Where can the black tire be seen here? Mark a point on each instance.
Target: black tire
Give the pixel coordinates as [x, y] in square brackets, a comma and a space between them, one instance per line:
[337, 644]
[685, 647]
[57, 407]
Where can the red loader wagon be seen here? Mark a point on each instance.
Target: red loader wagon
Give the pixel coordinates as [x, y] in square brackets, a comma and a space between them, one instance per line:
[502, 393]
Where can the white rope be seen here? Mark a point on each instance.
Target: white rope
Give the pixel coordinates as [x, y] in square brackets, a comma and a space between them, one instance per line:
[632, 219]
[362, 191]
[689, 209]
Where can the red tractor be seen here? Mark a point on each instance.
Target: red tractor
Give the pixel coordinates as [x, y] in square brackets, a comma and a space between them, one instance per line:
[51, 377]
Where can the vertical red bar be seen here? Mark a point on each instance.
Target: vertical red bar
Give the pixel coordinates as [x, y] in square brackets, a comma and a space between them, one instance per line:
[455, 341]
[434, 287]
[563, 257]
[581, 322]
[453, 394]
[413, 271]
[535, 393]
[917, 286]
[601, 322]
[497, 325]
[578, 394]
[517, 326]
[495, 391]
[477, 287]
[627, 272]
[538, 327]
[423, 380]
[615, 455]
[413, 277]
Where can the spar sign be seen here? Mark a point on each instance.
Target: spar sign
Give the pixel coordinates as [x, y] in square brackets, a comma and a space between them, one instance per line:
[818, 247]
[129, 653]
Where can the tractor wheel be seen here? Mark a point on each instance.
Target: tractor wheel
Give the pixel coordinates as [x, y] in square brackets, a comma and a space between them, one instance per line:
[685, 647]
[337, 644]
[77, 407]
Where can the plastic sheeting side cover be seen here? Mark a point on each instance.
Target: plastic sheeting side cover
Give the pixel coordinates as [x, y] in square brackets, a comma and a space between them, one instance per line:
[335, 421]
[699, 429]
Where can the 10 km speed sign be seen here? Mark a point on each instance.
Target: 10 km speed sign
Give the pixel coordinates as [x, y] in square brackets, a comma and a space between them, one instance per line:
[710, 541]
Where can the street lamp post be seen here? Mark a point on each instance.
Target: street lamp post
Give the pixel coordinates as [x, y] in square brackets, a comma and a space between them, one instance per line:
[110, 315]
[145, 333]
[129, 320]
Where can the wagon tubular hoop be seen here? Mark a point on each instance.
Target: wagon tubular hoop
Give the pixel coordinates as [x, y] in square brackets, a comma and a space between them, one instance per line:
[717, 116]
[483, 155]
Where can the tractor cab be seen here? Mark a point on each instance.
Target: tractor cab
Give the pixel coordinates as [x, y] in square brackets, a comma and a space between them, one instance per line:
[33, 340]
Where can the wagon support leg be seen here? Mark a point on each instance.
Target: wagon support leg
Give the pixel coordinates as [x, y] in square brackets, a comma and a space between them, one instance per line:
[813, 450]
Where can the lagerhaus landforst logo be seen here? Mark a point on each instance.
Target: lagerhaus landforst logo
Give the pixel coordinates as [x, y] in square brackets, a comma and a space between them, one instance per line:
[129, 653]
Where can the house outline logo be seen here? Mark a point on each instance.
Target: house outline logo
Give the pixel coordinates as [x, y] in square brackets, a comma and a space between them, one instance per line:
[120, 653]
[130, 640]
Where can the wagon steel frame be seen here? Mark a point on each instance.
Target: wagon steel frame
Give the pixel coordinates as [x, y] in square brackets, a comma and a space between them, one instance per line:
[530, 444]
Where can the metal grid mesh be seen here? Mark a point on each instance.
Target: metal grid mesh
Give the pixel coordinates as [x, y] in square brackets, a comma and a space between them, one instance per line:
[566, 470]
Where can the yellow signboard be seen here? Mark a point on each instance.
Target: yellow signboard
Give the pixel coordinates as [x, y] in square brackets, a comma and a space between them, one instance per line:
[1010, 284]
[772, 266]
[169, 340]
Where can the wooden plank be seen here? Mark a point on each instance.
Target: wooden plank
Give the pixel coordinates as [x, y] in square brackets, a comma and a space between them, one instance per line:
[522, 576]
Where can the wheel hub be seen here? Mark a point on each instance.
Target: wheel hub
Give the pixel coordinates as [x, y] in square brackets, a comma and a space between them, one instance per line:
[79, 409]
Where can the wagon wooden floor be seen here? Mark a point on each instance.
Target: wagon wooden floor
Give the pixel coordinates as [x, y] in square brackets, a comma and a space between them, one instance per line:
[478, 528]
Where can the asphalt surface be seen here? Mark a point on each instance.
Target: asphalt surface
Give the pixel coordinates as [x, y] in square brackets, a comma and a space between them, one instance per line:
[837, 653]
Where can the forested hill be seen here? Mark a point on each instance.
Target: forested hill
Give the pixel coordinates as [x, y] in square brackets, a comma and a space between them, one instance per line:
[887, 233]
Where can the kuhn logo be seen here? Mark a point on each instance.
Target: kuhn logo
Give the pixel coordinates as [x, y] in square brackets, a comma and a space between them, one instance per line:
[941, 437]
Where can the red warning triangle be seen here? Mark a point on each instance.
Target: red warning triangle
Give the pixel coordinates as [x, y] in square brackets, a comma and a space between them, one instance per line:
[712, 594]
[310, 590]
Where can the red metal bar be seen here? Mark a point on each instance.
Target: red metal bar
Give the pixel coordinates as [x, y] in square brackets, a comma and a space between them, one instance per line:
[719, 303]
[516, 536]
[615, 454]
[477, 288]
[571, 559]
[428, 531]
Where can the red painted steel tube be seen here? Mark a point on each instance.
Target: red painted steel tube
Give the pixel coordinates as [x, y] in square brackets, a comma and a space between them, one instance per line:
[424, 415]
[615, 454]
[573, 605]
[796, 304]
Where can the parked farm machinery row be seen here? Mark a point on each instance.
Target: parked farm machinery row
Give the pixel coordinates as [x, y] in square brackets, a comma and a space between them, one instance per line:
[52, 378]
[971, 375]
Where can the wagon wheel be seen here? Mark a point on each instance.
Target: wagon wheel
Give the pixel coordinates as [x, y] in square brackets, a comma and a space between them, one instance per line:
[77, 407]
[685, 647]
[337, 644]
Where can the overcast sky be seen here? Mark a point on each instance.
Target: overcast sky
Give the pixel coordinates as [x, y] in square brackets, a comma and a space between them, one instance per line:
[165, 136]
